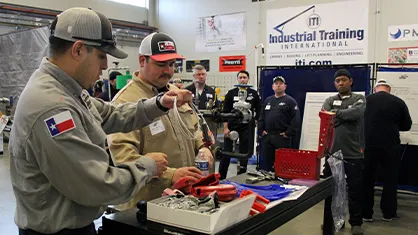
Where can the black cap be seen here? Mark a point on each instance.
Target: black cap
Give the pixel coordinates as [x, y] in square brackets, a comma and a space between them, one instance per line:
[112, 75]
[342, 72]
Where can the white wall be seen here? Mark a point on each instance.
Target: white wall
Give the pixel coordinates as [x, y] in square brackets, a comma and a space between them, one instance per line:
[132, 61]
[178, 19]
[394, 12]
[110, 9]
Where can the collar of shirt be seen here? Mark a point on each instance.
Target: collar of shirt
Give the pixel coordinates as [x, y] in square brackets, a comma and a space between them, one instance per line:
[280, 97]
[62, 77]
[205, 88]
[344, 96]
[148, 88]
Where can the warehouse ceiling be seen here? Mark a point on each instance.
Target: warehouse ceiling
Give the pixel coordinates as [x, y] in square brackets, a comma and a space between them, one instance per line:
[23, 17]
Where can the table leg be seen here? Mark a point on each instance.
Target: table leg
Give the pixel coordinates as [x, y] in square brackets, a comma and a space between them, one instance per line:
[328, 225]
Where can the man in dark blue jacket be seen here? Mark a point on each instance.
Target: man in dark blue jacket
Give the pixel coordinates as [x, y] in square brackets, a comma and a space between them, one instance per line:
[279, 121]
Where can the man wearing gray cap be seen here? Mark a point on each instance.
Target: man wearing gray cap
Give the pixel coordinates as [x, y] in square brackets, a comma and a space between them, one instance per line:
[385, 116]
[61, 174]
[279, 121]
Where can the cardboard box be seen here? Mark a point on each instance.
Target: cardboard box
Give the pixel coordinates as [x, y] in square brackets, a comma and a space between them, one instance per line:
[228, 214]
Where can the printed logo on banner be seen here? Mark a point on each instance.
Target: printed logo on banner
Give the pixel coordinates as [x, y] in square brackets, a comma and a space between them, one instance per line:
[396, 35]
[232, 63]
[313, 21]
[317, 34]
[403, 33]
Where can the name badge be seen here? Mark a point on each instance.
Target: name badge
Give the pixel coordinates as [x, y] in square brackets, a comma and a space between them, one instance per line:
[156, 127]
[337, 102]
[268, 107]
[209, 96]
[236, 98]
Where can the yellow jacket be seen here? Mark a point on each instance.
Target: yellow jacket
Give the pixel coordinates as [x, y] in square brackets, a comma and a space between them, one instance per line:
[128, 147]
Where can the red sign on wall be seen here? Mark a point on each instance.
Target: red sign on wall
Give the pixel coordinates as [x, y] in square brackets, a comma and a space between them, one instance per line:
[232, 63]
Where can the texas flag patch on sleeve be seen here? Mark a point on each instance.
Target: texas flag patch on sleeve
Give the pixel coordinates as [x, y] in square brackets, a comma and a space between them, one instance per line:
[60, 123]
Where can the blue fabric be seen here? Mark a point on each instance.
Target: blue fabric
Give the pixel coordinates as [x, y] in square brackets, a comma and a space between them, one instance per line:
[389, 69]
[301, 80]
[271, 192]
[251, 161]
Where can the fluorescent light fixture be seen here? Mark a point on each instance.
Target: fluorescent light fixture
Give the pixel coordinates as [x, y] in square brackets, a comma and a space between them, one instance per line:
[138, 3]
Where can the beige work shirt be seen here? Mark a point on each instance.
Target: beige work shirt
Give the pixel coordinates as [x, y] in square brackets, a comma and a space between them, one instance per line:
[163, 135]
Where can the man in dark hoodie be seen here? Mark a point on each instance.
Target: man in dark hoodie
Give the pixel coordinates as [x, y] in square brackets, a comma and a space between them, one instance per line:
[348, 137]
[113, 91]
[385, 116]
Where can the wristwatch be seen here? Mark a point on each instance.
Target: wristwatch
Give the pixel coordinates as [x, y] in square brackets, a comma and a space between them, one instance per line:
[159, 105]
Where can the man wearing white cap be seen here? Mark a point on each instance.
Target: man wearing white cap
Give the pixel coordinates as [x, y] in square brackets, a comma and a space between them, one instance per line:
[157, 56]
[384, 117]
[62, 177]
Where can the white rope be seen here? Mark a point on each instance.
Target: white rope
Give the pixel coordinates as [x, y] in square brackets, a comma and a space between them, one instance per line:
[182, 126]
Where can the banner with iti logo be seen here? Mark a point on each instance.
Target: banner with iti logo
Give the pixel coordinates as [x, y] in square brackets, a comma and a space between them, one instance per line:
[320, 34]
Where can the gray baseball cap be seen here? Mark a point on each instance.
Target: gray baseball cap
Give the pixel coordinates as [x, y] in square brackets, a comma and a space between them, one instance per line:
[93, 28]
[279, 78]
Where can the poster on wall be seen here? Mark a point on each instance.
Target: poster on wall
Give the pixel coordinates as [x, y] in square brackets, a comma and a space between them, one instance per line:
[178, 66]
[232, 63]
[319, 34]
[402, 55]
[398, 33]
[221, 33]
[191, 63]
[405, 85]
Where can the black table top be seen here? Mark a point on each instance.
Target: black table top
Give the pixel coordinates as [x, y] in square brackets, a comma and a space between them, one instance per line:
[259, 224]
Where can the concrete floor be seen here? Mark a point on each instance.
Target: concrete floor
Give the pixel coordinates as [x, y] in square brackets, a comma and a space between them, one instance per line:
[308, 223]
